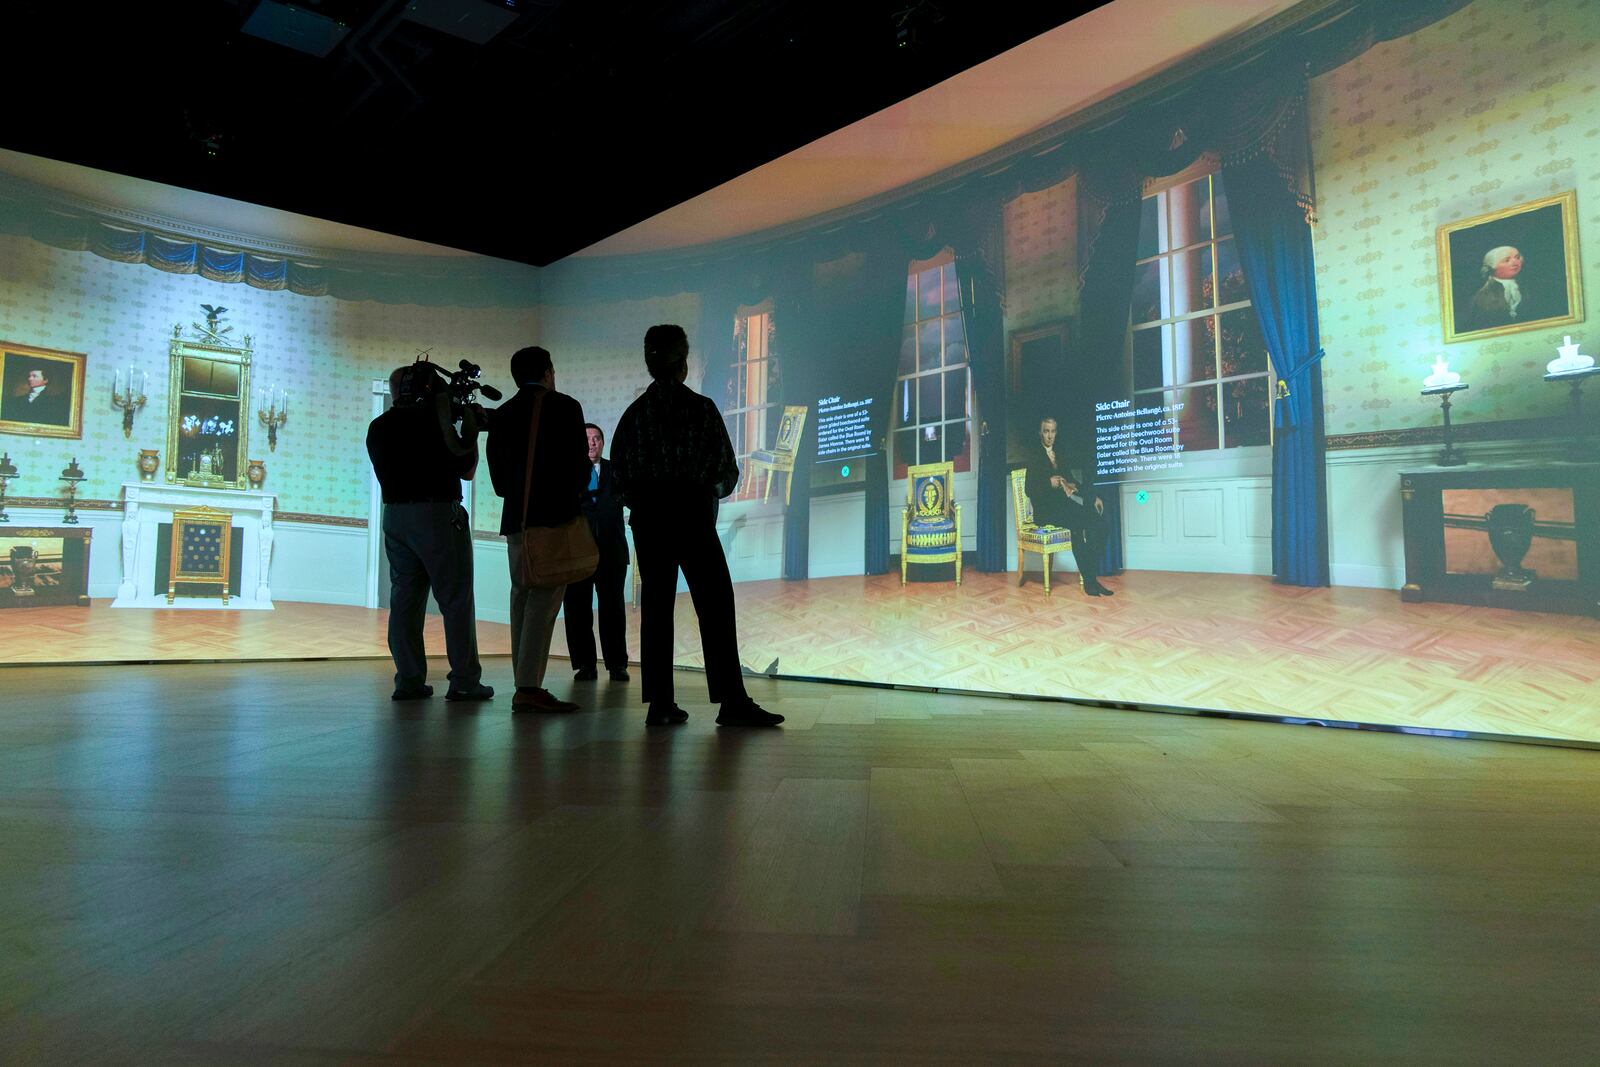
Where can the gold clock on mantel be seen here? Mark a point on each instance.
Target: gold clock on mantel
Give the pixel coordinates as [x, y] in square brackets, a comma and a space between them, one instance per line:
[208, 405]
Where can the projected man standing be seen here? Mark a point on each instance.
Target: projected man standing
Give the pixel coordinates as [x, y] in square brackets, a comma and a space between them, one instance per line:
[1057, 501]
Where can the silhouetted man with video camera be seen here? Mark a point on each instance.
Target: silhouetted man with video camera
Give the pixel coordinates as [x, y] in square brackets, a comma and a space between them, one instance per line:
[421, 460]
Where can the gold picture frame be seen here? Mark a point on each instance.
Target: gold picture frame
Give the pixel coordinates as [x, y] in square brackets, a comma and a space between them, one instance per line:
[201, 544]
[49, 413]
[1546, 276]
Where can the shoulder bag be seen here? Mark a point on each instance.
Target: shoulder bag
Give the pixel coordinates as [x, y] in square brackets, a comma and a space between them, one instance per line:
[551, 555]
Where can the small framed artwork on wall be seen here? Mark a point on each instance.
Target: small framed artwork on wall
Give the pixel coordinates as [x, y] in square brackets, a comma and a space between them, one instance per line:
[1510, 270]
[41, 391]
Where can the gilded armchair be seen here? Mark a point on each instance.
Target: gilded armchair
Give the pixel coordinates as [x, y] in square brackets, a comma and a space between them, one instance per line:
[930, 531]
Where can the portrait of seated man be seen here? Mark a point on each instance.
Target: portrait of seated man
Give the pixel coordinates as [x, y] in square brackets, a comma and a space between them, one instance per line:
[1058, 500]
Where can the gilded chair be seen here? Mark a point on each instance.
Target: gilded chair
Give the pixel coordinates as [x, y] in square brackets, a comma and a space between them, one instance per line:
[930, 531]
[780, 457]
[1045, 540]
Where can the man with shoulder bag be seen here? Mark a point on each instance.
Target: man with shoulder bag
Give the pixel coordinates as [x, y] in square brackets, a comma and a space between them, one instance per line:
[540, 468]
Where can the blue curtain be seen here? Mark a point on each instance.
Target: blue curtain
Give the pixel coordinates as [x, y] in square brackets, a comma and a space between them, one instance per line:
[794, 319]
[1274, 242]
[980, 255]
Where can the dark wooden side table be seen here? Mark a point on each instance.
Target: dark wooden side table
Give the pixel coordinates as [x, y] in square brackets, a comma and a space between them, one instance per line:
[1422, 507]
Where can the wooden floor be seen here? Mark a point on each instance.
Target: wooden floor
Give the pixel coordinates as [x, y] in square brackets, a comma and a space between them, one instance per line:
[103, 634]
[1226, 641]
[273, 864]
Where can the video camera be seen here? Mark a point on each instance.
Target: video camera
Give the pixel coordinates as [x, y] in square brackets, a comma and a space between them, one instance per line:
[426, 378]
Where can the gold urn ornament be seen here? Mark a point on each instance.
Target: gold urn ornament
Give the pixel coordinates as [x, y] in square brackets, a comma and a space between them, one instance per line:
[256, 472]
[149, 463]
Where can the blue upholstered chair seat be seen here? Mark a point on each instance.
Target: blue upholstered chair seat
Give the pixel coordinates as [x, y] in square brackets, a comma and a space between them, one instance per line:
[928, 538]
[768, 456]
[1045, 535]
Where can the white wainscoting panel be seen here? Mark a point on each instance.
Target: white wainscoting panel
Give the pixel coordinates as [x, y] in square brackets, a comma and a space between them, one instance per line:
[313, 563]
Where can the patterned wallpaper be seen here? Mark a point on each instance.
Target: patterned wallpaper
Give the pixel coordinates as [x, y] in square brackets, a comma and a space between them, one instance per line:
[325, 352]
[1042, 257]
[1494, 106]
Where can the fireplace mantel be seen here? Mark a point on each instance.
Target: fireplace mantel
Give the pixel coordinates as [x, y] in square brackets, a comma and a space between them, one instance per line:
[146, 505]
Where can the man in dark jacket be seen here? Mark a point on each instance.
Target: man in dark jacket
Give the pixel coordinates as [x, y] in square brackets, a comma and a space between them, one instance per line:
[604, 512]
[1059, 501]
[560, 473]
[672, 462]
[420, 462]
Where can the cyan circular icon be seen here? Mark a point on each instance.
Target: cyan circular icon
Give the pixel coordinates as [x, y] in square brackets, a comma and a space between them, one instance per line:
[1142, 497]
[844, 471]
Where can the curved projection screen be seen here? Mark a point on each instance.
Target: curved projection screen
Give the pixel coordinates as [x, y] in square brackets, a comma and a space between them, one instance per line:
[939, 426]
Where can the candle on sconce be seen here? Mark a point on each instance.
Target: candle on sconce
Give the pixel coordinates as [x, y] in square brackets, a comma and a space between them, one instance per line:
[145, 388]
[116, 380]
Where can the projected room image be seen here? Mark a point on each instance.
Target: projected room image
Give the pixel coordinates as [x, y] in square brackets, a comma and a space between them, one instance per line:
[1256, 396]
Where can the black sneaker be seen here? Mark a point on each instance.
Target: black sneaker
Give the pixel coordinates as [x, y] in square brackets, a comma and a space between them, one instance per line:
[619, 675]
[412, 692]
[476, 692]
[588, 674]
[747, 713]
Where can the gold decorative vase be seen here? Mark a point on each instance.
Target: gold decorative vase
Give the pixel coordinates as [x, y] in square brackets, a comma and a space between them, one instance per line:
[149, 463]
[256, 471]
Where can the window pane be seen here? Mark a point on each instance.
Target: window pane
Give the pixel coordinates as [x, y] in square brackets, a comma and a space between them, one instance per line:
[955, 445]
[903, 414]
[1191, 280]
[952, 288]
[928, 405]
[1147, 304]
[1197, 420]
[1222, 221]
[1147, 362]
[1244, 413]
[1190, 214]
[955, 340]
[928, 345]
[928, 304]
[1244, 350]
[932, 438]
[905, 451]
[908, 352]
[1230, 275]
[1194, 357]
[955, 394]
[733, 424]
[911, 298]
[1148, 243]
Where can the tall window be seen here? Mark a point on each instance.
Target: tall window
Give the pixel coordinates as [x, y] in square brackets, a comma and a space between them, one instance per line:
[1196, 341]
[933, 395]
[752, 380]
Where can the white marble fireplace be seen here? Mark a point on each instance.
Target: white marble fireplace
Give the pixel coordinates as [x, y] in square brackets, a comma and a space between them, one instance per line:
[146, 505]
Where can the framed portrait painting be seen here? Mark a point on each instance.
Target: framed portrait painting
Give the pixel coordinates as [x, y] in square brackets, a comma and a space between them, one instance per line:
[41, 391]
[1510, 270]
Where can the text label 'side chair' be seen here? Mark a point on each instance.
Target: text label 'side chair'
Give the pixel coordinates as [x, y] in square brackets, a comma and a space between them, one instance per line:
[780, 457]
[930, 532]
[1045, 540]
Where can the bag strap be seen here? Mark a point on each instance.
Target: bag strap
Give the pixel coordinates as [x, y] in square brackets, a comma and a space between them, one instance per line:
[533, 441]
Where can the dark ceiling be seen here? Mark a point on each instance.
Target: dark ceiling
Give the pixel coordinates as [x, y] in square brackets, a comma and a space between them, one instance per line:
[524, 129]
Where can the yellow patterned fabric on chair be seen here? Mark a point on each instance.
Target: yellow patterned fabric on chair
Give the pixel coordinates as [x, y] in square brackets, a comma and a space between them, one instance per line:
[780, 457]
[1045, 540]
[930, 532]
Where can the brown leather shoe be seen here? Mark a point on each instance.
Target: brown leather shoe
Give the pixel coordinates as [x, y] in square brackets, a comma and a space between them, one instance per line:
[540, 700]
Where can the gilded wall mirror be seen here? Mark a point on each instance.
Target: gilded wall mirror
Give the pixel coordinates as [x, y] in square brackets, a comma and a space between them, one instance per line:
[208, 406]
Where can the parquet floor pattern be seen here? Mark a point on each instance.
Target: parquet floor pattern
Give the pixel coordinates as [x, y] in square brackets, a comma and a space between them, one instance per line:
[102, 634]
[1194, 640]
[272, 864]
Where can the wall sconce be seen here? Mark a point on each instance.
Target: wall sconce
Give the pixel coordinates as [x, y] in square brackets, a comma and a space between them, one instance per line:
[122, 396]
[272, 408]
[8, 471]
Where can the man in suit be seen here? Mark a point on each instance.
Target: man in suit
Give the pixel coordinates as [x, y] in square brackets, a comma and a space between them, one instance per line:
[36, 400]
[555, 487]
[1058, 501]
[604, 512]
